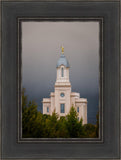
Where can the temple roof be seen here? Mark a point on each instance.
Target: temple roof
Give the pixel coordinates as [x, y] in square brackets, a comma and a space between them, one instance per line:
[62, 61]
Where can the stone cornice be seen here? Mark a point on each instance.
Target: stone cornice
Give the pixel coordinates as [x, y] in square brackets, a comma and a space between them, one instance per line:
[80, 101]
[62, 85]
[45, 102]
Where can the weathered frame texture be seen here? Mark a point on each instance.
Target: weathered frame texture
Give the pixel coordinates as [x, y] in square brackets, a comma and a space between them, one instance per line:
[109, 12]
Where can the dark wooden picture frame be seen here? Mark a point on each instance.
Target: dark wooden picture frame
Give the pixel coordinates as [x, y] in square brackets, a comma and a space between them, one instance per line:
[12, 144]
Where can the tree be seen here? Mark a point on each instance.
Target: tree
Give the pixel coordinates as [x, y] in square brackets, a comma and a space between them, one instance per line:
[62, 130]
[51, 125]
[90, 130]
[38, 125]
[24, 99]
[29, 115]
[73, 124]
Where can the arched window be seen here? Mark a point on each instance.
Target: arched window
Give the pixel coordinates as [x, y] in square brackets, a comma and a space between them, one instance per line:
[77, 109]
[47, 109]
[62, 108]
[62, 72]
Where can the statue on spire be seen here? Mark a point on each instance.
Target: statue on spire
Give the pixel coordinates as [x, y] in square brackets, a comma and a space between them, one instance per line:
[62, 50]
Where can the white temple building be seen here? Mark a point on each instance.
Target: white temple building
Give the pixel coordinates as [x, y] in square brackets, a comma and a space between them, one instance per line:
[62, 99]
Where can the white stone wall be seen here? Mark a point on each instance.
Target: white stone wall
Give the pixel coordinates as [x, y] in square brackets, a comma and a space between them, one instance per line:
[55, 101]
[82, 111]
[52, 99]
[66, 74]
[45, 105]
[74, 96]
[85, 113]
[59, 100]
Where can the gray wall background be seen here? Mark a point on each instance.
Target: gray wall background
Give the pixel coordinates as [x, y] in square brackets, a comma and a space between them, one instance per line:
[41, 48]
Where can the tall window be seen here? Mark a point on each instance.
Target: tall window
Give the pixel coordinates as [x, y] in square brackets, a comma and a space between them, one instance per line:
[47, 109]
[77, 109]
[62, 72]
[62, 108]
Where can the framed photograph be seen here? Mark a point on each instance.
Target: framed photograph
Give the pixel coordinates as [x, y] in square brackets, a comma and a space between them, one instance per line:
[64, 114]
[60, 80]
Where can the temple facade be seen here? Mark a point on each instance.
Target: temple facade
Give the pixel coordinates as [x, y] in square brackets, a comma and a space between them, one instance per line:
[62, 99]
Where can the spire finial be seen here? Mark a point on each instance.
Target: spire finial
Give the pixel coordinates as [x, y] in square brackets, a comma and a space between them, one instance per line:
[62, 49]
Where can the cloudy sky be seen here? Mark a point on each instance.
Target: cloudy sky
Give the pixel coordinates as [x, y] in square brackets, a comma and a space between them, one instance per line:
[41, 48]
